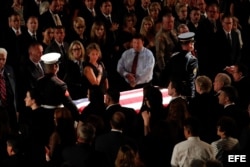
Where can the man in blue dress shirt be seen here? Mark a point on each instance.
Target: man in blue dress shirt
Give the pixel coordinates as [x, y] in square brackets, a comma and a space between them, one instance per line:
[136, 64]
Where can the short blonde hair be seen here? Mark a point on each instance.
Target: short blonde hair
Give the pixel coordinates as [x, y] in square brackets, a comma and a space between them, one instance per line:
[76, 42]
[79, 20]
[204, 83]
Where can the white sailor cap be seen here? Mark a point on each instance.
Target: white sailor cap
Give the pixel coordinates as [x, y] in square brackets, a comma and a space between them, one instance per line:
[186, 37]
[51, 58]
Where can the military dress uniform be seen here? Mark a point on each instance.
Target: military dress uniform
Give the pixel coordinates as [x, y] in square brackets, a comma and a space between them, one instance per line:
[183, 67]
[53, 93]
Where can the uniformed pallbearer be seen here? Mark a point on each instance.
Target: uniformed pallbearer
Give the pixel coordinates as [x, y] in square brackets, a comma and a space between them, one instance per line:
[183, 66]
[52, 91]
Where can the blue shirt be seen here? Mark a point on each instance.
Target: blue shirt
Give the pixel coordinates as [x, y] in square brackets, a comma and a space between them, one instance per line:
[145, 65]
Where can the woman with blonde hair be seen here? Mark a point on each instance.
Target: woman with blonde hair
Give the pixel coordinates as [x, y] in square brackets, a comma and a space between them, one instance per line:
[148, 31]
[78, 31]
[74, 77]
[154, 12]
[93, 69]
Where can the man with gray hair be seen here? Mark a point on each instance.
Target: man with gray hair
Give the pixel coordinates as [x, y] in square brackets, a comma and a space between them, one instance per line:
[220, 80]
[83, 154]
[8, 98]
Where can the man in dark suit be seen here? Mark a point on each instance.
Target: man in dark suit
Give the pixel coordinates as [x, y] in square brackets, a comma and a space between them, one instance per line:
[227, 43]
[206, 45]
[83, 154]
[109, 19]
[110, 142]
[241, 82]
[51, 18]
[59, 46]
[31, 34]
[32, 70]
[13, 41]
[88, 12]
[8, 96]
[112, 98]
[227, 97]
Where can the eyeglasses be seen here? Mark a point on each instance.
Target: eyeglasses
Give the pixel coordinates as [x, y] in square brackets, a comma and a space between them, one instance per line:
[76, 49]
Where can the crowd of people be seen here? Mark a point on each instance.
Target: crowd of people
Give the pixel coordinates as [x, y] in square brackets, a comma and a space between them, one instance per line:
[55, 51]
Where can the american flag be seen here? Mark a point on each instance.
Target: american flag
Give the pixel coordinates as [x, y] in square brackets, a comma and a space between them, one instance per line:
[132, 99]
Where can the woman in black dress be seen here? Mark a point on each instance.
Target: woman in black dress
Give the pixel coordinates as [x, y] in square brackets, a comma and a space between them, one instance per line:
[93, 69]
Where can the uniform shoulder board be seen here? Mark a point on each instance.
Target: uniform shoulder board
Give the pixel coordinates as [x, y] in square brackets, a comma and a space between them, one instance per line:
[174, 54]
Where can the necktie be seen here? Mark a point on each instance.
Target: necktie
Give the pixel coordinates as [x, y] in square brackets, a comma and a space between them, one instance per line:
[39, 68]
[63, 50]
[214, 26]
[3, 95]
[34, 37]
[57, 20]
[17, 32]
[93, 12]
[229, 39]
[134, 65]
[109, 18]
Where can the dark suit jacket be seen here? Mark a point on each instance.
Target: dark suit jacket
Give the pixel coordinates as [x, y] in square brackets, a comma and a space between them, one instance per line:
[192, 28]
[243, 89]
[74, 80]
[46, 20]
[205, 108]
[227, 54]
[235, 113]
[10, 78]
[17, 160]
[11, 95]
[14, 46]
[27, 40]
[110, 143]
[130, 116]
[140, 14]
[83, 154]
[30, 74]
[206, 48]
